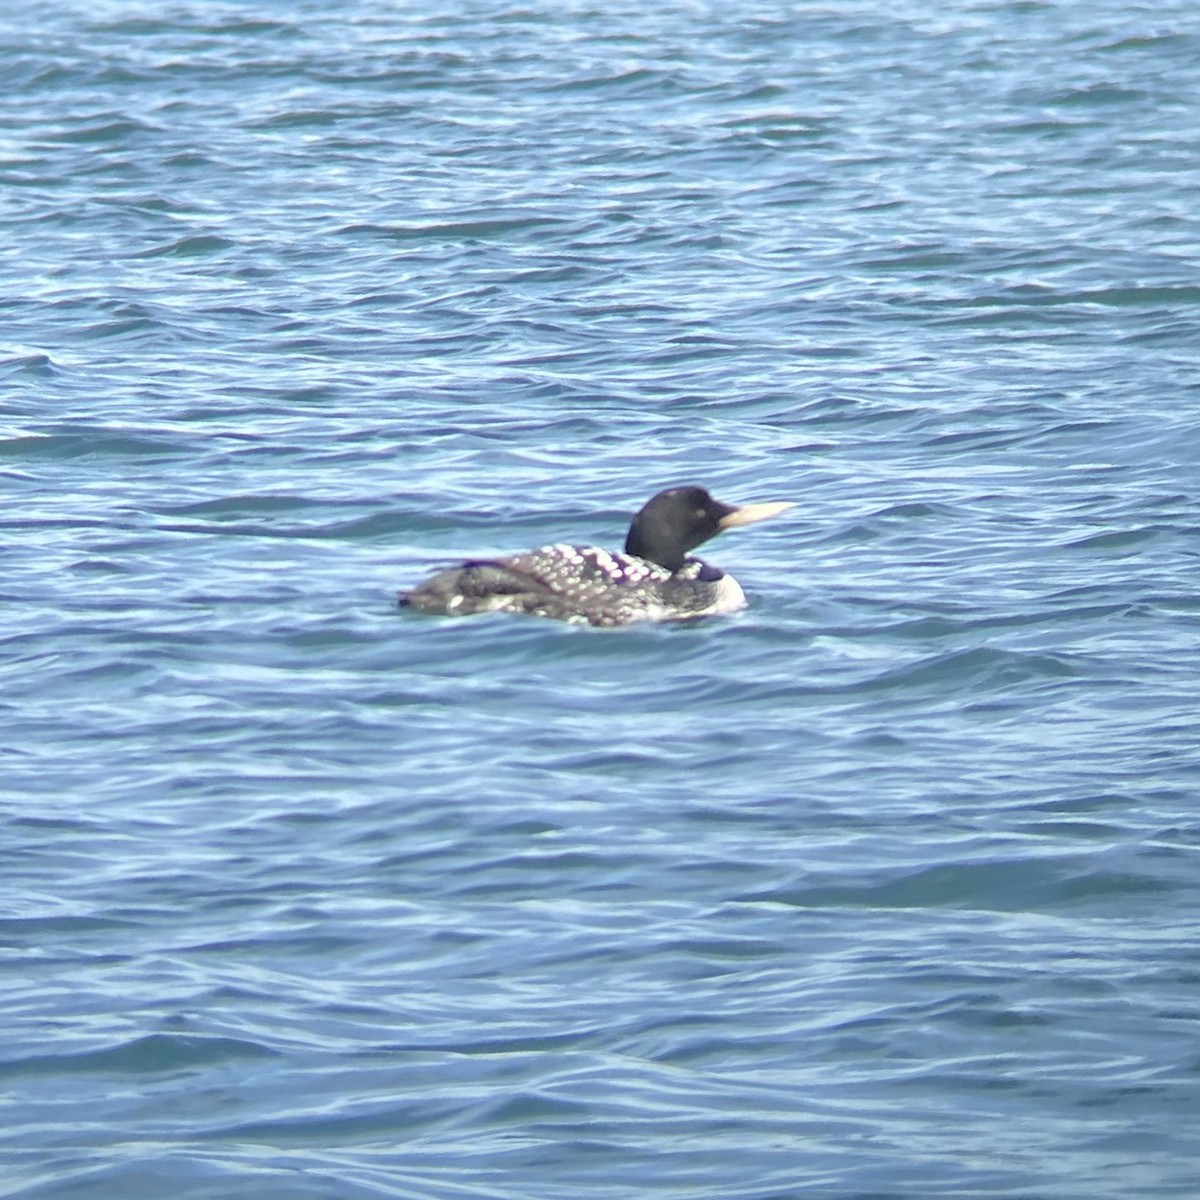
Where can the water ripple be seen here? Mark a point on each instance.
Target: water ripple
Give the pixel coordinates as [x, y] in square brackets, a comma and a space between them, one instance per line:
[884, 886]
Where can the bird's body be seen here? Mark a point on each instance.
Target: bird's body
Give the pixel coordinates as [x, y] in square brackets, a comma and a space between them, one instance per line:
[653, 580]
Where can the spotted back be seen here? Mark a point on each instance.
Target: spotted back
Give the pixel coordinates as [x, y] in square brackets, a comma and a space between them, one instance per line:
[585, 571]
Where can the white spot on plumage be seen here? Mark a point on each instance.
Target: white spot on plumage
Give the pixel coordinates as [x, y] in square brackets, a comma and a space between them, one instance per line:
[605, 562]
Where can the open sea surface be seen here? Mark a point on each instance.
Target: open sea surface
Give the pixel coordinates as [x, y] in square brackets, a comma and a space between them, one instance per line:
[887, 887]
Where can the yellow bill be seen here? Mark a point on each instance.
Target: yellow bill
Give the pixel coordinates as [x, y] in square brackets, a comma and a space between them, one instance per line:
[749, 513]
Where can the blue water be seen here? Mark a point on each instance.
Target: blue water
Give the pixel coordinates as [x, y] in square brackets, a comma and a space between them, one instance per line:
[886, 887]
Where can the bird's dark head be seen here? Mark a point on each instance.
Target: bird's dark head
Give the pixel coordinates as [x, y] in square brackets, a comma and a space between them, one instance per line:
[680, 519]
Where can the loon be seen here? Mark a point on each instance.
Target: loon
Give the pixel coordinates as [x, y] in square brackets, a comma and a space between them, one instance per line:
[653, 580]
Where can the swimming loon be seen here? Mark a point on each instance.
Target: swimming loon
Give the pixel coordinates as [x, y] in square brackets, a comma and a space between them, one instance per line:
[653, 580]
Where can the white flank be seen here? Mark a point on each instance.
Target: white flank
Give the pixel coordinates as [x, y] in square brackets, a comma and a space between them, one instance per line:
[729, 595]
